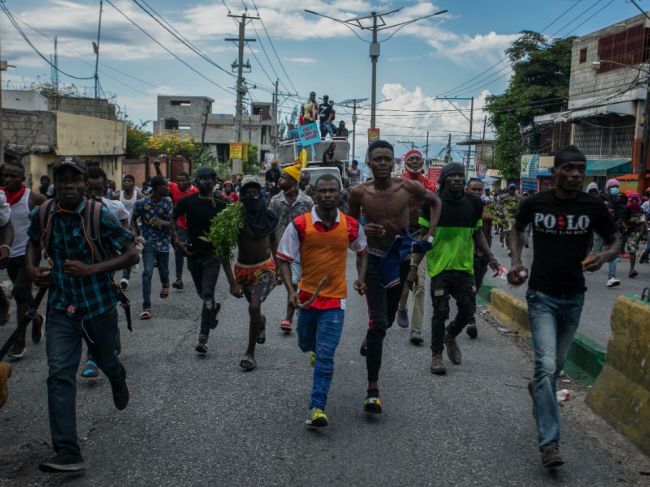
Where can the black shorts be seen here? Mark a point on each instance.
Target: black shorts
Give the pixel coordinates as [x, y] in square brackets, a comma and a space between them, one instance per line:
[22, 291]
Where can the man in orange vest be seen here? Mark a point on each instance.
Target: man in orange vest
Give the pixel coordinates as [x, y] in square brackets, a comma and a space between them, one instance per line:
[320, 238]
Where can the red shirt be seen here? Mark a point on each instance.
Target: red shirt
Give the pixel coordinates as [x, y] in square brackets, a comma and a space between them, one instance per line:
[232, 197]
[177, 194]
[419, 177]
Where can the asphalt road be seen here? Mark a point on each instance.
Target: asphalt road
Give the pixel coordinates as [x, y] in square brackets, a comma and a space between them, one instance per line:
[203, 421]
[599, 299]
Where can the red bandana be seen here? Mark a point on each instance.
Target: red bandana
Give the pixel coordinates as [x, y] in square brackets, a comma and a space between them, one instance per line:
[14, 197]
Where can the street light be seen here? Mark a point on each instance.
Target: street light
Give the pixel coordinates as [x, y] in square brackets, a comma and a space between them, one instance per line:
[378, 24]
[643, 166]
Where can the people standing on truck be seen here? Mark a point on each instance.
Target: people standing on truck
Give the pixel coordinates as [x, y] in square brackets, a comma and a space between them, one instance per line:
[341, 131]
[309, 110]
[354, 173]
[325, 118]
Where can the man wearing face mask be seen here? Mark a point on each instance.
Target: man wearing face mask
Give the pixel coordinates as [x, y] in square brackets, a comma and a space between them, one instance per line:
[254, 275]
[199, 209]
[413, 164]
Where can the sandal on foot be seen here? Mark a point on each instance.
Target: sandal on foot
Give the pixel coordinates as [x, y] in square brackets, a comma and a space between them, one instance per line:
[90, 370]
[285, 326]
[164, 293]
[145, 315]
[248, 363]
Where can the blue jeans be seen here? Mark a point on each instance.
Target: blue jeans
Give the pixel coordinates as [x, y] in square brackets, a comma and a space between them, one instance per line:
[63, 346]
[182, 237]
[553, 323]
[149, 254]
[598, 246]
[320, 331]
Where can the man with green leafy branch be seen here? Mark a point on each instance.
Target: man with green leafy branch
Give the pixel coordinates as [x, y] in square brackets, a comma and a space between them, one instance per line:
[450, 262]
[202, 260]
[254, 275]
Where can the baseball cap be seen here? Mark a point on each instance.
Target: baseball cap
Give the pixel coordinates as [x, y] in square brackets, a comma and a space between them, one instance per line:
[248, 181]
[70, 161]
[206, 172]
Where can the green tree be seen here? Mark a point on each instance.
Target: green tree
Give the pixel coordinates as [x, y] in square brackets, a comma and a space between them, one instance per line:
[202, 156]
[136, 141]
[539, 85]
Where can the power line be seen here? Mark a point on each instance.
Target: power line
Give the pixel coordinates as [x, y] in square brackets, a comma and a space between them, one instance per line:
[35, 49]
[273, 47]
[169, 51]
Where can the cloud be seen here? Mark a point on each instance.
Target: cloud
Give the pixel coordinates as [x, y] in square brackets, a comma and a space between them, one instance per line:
[301, 60]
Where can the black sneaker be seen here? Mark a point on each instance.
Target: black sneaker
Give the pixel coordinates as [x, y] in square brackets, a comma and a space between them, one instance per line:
[471, 330]
[120, 394]
[17, 351]
[63, 463]
[178, 284]
[202, 346]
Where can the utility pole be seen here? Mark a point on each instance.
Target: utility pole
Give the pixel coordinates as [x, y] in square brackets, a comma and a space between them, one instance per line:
[239, 66]
[276, 135]
[426, 151]
[355, 102]
[471, 124]
[448, 154]
[96, 49]
[643, 166]
[378, 24]
[470, 119]
[56, 64]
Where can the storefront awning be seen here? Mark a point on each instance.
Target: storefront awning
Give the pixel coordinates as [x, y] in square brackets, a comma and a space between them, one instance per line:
[631, 177]
[605, 167]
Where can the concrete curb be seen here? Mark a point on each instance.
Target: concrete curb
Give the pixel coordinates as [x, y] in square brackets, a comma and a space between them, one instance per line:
[586, 357]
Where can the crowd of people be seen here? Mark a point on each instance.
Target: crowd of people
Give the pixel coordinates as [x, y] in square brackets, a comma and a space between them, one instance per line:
[293, 232]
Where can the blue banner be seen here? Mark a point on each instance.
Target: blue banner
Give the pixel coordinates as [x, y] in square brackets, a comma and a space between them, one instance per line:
[308, 134]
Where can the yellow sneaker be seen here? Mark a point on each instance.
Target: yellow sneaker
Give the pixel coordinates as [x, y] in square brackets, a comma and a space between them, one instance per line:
[312, 359]
[5, 373]
[317, 418]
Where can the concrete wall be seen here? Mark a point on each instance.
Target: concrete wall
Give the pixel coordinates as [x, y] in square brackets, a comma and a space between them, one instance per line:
[590, 87]
[29, 131]
[89, 136]
[91, 107]
[621, 395]
[24, 100]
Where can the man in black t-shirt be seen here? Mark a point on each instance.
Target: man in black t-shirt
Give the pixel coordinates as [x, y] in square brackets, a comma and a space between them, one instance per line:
[204, 265]
[563, 221]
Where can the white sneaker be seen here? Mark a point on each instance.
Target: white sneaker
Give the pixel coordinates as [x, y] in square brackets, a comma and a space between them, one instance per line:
[613, 282]
[124, 284]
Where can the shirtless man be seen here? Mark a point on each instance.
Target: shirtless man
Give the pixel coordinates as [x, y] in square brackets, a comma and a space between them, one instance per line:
[386, 201]
[254, 275]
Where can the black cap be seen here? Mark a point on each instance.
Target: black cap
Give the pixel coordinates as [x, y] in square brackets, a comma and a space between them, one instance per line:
[206, 172]
[70, 161]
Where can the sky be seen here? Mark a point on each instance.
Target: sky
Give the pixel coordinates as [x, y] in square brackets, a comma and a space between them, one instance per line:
[458, 53]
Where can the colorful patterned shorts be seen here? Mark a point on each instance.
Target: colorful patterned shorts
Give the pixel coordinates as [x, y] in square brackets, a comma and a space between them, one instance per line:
[257, 280]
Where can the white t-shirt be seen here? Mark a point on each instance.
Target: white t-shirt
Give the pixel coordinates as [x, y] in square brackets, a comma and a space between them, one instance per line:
[116, 208]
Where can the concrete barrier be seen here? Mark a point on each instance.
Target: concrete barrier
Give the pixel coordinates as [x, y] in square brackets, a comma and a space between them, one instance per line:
[621, 394]
[586, 357]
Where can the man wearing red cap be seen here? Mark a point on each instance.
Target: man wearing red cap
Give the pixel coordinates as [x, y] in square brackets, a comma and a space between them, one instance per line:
[413, 164]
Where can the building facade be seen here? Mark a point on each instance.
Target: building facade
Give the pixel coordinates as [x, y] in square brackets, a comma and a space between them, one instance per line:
[192, 115]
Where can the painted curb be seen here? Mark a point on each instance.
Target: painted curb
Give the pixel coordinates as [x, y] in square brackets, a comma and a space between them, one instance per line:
[586, 357]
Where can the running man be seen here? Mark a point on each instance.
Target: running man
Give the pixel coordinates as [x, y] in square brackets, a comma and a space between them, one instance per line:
[413, 163]
[563, 219]
[254, 275]
[450, 263]
[386, 201]
[128, 195]
[287, 205]
[81, 303]
[181, 188]
[320, 239]
[22, 201]
[204, 265]
[153, 213]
